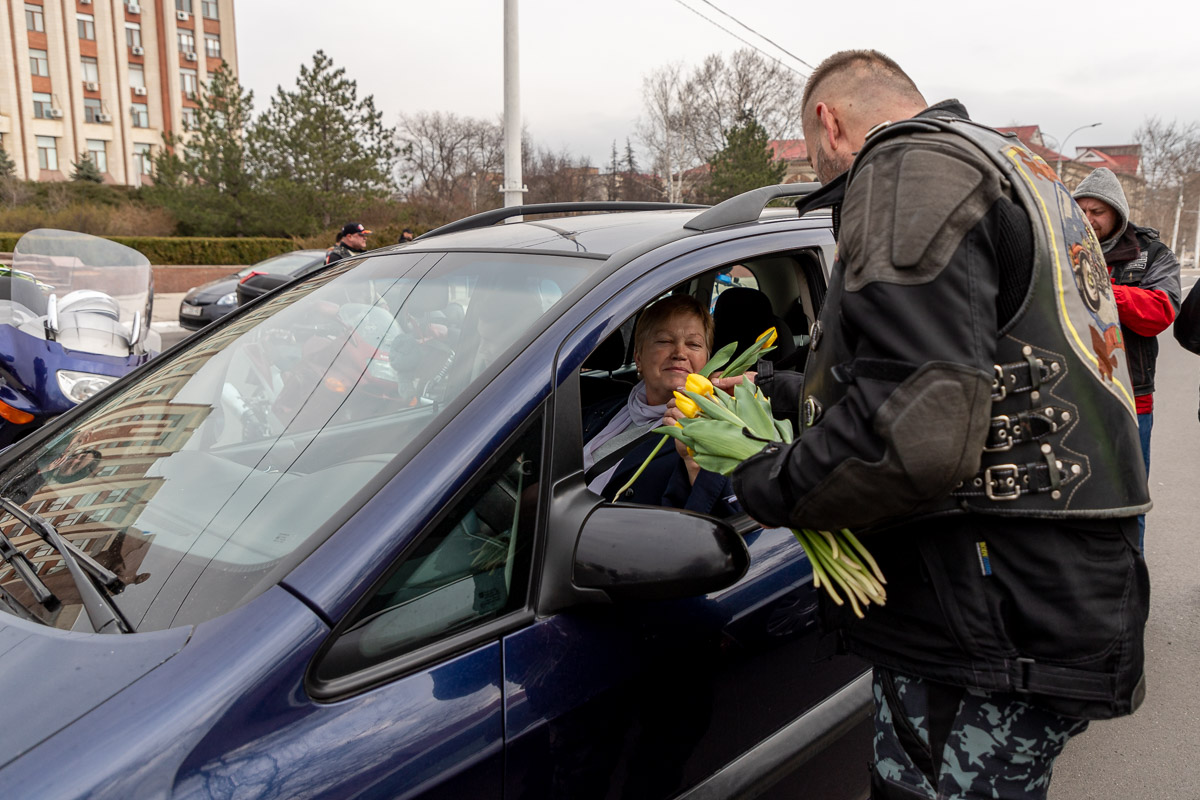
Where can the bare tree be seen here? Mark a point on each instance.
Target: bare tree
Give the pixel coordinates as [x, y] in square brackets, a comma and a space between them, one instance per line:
[749, 85]
[560, 177]
[1170, 163]
[664, 130]
[452, 161]
[689, 117]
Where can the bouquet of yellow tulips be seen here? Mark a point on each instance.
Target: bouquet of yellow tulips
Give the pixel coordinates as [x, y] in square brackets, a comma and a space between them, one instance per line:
[722, 430]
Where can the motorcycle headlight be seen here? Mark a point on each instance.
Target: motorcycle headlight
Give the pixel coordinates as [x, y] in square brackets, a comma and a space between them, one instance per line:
[228, 299]
[79, 386]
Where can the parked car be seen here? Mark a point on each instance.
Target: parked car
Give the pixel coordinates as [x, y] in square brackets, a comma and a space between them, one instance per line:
[345, 547]
[210, 301]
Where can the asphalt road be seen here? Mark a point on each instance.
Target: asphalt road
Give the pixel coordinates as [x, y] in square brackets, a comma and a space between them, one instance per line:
[1155, 754]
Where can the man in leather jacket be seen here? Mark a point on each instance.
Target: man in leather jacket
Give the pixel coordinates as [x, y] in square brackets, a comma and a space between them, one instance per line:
[949, 407]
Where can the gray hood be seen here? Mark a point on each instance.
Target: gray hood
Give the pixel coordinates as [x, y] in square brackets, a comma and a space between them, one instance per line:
[1103, 185]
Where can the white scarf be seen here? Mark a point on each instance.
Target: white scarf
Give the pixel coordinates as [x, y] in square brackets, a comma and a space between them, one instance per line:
[637, 413]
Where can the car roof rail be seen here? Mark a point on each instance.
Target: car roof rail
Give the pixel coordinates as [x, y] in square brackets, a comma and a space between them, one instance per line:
[487, 218]
[748, 206]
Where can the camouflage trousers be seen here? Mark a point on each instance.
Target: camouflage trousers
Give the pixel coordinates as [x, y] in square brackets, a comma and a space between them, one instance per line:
[996, 746]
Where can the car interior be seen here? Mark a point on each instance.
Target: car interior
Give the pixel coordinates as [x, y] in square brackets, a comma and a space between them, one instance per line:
[782, 290]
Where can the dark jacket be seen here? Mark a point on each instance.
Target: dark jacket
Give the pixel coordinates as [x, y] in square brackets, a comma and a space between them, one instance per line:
[1048, 607]
[665, 480]
[339, 251]
[1140, 264]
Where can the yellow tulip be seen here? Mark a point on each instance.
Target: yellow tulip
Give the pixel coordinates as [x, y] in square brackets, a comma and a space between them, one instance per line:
[770, 335]
[687, 405]
[699, 384]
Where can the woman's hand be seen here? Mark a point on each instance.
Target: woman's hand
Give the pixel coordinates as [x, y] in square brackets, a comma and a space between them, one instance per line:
[671, 417]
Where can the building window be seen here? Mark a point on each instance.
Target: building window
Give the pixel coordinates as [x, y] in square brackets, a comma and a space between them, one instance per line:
[91, 109]
[212, 45]
[209, 8]
[42, 105]
[98, 151]
[91, 70]
[187, 41]
[39, 64]
[189, 118]
[47, 147]
[188, 83]
[183, 5]
[142, 163]
[133, 34]
[34, 21]
[137, 76]
[87, 26]
[141, 115]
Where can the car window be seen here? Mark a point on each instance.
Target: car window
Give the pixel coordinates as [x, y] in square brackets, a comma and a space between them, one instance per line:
[470, 568]
[213, 472]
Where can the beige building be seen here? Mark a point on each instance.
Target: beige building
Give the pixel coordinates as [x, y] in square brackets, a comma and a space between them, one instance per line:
[104, 77]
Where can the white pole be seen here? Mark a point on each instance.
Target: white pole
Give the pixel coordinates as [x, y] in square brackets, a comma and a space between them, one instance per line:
[1196, 241]
[1175, 230]
[513, 181]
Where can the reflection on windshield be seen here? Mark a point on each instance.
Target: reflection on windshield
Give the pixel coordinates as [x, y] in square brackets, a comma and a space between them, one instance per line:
[198, 481]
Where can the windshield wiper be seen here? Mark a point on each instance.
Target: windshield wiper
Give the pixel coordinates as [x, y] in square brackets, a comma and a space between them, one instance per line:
[24, 569]
[101, 611]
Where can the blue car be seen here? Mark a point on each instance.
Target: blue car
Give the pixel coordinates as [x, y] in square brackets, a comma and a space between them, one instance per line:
[339, 544]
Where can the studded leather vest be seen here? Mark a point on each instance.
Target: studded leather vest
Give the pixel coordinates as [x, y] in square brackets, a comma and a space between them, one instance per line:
[1063, 436]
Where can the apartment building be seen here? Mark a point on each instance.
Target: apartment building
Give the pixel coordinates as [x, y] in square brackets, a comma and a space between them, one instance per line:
[104, 77]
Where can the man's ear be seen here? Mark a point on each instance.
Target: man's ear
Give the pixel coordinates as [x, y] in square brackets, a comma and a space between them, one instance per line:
[830, 124]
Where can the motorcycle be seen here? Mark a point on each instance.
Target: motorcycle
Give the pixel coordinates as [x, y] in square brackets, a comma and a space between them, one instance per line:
[74, 317]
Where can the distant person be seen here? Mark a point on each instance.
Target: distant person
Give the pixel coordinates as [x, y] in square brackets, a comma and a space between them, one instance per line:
[1145, 277]
[351, 240]
[406, 236]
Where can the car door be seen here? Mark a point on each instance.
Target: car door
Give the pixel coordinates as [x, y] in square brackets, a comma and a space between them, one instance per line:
[650, 699]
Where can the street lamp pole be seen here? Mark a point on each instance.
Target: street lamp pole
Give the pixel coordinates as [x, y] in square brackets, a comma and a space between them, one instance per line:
[514, 185]
[1064, 145]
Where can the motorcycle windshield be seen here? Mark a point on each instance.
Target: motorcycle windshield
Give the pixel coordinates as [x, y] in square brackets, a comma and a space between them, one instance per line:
[86, 282]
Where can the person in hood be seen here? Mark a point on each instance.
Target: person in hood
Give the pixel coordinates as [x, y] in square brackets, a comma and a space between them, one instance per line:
[1145, 277]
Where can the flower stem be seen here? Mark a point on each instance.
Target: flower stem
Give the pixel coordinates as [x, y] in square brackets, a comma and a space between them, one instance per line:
[637, 474]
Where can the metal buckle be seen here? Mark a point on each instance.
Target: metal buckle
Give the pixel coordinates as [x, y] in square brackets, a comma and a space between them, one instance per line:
[999, 390]
[1006, 432]
[1008, 473]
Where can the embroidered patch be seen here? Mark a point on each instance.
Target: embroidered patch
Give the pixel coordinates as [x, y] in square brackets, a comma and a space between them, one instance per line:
[985, 564]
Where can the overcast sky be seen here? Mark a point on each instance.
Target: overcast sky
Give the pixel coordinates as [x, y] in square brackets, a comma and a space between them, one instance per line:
[1058, 65]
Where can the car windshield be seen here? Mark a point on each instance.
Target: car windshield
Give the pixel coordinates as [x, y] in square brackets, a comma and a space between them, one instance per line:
[204, 481]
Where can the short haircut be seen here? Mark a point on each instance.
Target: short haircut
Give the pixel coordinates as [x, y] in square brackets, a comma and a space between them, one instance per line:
[840, 68]
[662, 310]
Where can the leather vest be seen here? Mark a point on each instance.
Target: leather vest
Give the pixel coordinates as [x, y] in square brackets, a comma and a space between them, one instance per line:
[1063, 438]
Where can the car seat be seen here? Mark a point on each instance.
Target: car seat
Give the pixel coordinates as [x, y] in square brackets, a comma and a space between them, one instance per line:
[742, 314]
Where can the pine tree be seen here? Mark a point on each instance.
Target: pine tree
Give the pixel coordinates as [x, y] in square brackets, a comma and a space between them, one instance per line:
[8, 168]
[203, 175]
[744, 163]
[86, 170]
[323, 147]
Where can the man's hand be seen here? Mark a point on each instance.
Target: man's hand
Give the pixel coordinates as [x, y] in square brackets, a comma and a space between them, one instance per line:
[726, 384]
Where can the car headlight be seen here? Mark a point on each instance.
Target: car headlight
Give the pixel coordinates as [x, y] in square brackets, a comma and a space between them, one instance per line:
[228, 299]
[79, 386]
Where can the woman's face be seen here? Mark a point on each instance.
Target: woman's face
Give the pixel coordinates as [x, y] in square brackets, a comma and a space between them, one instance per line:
[672, 350]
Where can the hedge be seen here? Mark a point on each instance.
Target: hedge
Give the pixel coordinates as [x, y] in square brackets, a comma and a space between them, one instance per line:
[191, 250]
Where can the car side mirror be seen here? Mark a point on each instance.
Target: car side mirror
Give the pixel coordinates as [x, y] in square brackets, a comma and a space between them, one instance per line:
[652, 553]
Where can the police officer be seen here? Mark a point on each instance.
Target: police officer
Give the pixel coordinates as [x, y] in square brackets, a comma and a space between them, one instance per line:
[968, 410]
[351, 240]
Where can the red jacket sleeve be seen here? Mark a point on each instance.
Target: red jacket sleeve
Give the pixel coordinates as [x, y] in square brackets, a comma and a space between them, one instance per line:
[1146, 312]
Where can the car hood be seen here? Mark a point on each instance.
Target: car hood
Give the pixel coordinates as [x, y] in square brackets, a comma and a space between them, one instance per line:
[211, 291]
[54, 677]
